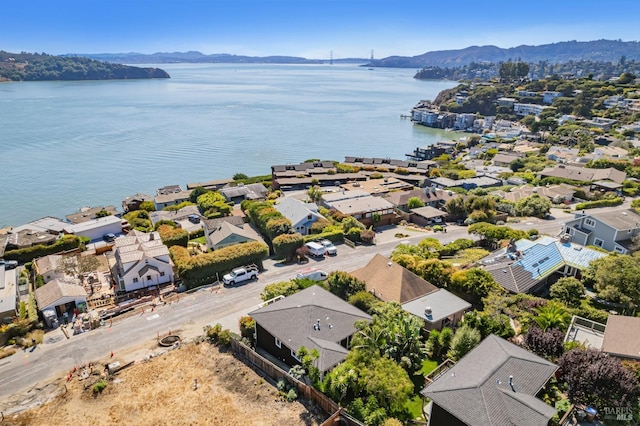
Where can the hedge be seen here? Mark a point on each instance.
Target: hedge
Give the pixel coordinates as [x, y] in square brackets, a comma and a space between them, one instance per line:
[172, 236]
[336, 236]
[599, 203]
[27, 254]
[209, 267]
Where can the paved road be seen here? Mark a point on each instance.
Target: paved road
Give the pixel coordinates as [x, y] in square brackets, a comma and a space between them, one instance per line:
[133, 337]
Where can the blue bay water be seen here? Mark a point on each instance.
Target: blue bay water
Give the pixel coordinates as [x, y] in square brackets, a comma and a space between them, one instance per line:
[64, 145]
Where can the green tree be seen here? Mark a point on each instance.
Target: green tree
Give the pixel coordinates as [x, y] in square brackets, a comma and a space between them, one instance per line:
[568, 290]
[464, 340]
[240, 176]
[344, 285]
[103, 213]
[616, 278]
[197, 192]
[212, 204]
[147, 206]
[439, 343]
[414, 203]
[315, 194]
[534, 205]
[455, 207]
[363, 300]
[475, 282]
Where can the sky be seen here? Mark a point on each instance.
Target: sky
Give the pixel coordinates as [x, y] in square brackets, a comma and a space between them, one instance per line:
[307, 28]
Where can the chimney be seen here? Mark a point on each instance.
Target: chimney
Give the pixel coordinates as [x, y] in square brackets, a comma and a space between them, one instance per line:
[151, 236]
[427, 312]
[318, 324]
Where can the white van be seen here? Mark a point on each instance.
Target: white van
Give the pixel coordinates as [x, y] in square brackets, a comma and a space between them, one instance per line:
[316, 249]
[312, 274]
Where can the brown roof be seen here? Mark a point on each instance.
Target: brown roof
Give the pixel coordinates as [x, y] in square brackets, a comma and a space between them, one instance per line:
[583, 174]
[55, 290]
[622, 336]
[389, 281]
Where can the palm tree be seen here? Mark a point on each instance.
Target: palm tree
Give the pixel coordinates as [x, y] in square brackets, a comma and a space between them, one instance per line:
[552, 315]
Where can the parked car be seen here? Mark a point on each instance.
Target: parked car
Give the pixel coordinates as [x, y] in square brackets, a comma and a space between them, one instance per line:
[312, 274]
[194, 218]
[9, 264]
[109, 237]
[238, 275]
[316, 249]
[330, 249]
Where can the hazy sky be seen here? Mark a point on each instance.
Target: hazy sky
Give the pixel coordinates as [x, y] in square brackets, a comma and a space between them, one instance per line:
[307, 28]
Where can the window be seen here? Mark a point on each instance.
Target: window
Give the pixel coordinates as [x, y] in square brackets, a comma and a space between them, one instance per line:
[278, 343]
[135, 280]
[162, 274]
[148, 277]
[590, 223]
[598, 242]
[619, 249]
[295, 355]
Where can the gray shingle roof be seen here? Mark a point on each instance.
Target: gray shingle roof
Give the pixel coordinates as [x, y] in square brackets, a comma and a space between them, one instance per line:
[292, 321]
[477, 389]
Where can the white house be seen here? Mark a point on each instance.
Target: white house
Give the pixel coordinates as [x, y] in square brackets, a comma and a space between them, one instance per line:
[142, 261]
[97, 228]
[47, 266]
[302, 215]
[62, 297]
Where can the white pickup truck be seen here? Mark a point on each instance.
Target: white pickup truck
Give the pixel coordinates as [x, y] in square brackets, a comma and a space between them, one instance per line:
[239, 275]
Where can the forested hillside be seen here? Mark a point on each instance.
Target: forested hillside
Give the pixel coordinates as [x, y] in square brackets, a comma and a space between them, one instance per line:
[40, 67]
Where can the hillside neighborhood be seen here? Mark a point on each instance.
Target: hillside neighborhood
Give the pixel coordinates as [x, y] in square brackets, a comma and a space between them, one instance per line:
[502, 324]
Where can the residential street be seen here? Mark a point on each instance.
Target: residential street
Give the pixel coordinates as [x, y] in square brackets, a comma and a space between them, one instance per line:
[134, 337]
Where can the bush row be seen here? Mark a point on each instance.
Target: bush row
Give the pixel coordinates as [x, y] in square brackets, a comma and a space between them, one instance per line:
[609, 202]
[208, 267]
[334, 235]
[27, 254]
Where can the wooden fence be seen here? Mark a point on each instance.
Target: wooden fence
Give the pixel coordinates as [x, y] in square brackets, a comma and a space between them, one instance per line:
[258, 362]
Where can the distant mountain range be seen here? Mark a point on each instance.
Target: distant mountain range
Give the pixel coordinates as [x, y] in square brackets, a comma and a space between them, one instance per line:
[598, 50]
[199, 57]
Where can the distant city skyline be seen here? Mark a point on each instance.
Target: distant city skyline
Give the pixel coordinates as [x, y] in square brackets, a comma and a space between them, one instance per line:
[305, 28]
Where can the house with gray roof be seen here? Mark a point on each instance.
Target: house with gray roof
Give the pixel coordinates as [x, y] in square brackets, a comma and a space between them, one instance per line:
[302, 215]
[364, 208]
[187, 218]
[89, 213]
[61, 296]
[228, 233]
[133, 202]
[167, 199]
[241, 192]
[313, 318]
[525, 266]
[493, 385]
[9, 294]
[583, 174]
[142, 262]
[611, 230]
[430, 196]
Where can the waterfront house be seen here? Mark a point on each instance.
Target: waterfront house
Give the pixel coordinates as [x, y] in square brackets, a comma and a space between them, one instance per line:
[89, 213]
[526, 266]
[167, 199]
[493, 385]
[430, 196]
[237, 194]
[133, 202]
[96, 229]
[313, 318]
[301, 215]
[611, 230]
[142, 262]
[391, 282]
[212, 185]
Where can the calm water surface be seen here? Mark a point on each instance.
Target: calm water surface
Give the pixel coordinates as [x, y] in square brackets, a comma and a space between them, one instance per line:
[65, 145]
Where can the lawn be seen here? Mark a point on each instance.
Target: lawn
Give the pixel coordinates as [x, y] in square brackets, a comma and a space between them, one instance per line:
[200, 240]
[414, 405]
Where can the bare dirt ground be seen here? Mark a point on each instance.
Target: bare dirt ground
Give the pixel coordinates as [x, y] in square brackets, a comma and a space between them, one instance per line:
[162, 391]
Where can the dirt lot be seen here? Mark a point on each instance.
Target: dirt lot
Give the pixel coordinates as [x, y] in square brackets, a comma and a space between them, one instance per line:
[161, 391]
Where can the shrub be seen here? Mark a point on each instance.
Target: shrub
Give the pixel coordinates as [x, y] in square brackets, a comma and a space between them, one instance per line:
[292, 395]
[247, 326]
[99, 386]
[282, 385]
